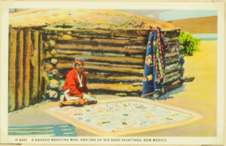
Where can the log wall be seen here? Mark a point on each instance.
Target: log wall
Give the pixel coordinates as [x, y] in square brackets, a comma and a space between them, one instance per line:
[114, 59]
[25, 47]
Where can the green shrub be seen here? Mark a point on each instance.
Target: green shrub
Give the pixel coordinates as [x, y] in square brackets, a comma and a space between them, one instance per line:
[189, 44]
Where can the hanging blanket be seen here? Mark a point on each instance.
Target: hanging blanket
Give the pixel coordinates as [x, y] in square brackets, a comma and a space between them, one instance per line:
[154, 70]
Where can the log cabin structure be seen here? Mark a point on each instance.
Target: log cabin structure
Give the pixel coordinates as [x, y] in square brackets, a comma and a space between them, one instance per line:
[114, 59]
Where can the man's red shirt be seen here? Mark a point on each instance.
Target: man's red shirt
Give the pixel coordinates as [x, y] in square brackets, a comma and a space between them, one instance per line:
[72, 83]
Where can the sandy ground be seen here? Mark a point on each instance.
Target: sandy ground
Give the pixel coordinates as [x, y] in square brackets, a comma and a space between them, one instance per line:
[198, 96]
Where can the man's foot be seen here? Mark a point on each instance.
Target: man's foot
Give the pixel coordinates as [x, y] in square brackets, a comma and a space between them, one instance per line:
[94, 102]
[76, 102]
[69, 103]
[60, 104]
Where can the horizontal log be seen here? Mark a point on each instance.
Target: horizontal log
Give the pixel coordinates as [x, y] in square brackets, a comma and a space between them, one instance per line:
[70, 55]
[141, 38]
[114, 87]
[103, 36]
[53, 52]
[141, 47]
[109, 36]
[173, 54]
[172, 39]
[100, 48]
[113, 77]
[94, 68]
[141, 65]
[103, 68]
[172, 78]
[107, 29]
[103, 33]
[176, 82]
[172, 69]
[114, 49]
[171, 60]
[115, 92]
[68, 38]
[171, 34]
[29, 25]
[106, 70]
[172, 87]
[173, 48]
[107, 59]
[171, 66]
[101, 77]
[174, 42]
[172, 74]
[114, 81]
[69, 52]
[95, 53]
[110, 65]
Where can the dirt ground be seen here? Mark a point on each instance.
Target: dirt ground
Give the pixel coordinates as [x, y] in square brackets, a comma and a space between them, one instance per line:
[198, 96]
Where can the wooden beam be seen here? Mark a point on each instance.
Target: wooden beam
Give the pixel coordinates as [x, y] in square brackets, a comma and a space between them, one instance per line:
[99, 48]
[172, 60]
[172, 66]
[107, 59]
[173, 48]
[125, 69]
[172, 39]
[102, 64]
[27, 70]
[115, 87]
[106, 29]
[114, 65]
[103, 69]
[12, 69]
[20, 70]
[70, 39]
[29, 26]
[35, 64]
[171, 78]
[173, 54]
[168, 88]
[40, 53]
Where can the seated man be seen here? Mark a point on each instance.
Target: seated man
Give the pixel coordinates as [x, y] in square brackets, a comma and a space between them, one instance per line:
[75, 89]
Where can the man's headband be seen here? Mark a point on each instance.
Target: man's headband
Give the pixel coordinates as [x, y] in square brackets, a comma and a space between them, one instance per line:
[79, 60]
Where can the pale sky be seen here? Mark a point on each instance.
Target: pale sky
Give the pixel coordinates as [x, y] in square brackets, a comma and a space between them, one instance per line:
[168, 15]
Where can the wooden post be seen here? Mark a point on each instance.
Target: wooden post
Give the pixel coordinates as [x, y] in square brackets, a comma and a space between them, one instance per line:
[12, 70]
[27, 69]
[35, 64]
[20, 70]
[44, 78]
[40, 68]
